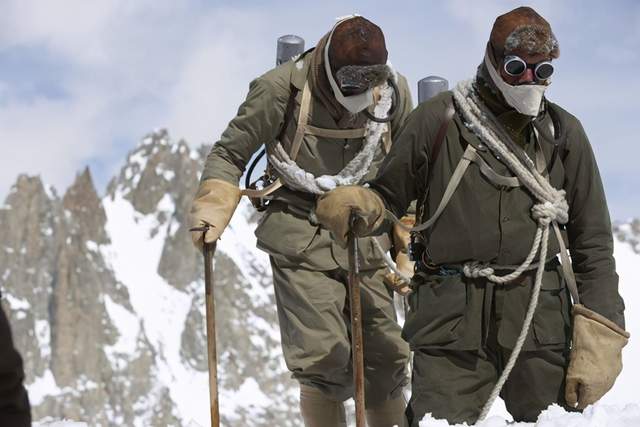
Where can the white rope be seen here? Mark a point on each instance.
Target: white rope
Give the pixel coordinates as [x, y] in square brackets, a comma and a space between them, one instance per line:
[296, 177]
[552, 207]
[392, 265]
[533, 303]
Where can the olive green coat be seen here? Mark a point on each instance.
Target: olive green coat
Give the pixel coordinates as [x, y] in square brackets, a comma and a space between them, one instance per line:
[490, 224]
[288, 237]
[309, 269]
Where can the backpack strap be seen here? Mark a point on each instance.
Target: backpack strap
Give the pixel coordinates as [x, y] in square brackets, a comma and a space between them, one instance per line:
[435, 151]
[437, 143]
[288, 113]
[303, 118]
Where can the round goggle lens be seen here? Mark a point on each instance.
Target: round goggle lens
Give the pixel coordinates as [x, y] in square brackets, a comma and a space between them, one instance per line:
[544, 70]
[514, 66]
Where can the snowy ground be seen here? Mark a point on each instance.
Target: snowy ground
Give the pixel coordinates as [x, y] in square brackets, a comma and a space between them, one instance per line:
[600, 415]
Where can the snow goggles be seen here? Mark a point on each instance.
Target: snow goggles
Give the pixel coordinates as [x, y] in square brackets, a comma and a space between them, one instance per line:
[516, 66]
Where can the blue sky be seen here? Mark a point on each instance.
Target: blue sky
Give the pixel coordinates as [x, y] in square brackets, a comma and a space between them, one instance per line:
[82, 82]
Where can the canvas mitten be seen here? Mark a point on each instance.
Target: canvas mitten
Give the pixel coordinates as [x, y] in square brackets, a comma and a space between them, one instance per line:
[213, 205]
[596, 357]
[334, 209]
[401, 240]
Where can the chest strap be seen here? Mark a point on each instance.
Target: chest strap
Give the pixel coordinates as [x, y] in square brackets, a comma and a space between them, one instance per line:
[304, 128]
[471, 155]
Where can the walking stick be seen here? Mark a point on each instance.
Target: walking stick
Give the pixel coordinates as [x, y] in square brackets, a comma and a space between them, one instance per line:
[208, 251]
[356, 322]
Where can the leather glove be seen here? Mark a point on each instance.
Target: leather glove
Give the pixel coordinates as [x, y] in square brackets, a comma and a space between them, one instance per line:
[334, 209]
[596, 357]
[213, 205]
[401, 240]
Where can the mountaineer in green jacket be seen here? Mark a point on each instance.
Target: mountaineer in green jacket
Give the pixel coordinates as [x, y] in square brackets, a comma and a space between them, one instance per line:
[500, 173]
[324, 120]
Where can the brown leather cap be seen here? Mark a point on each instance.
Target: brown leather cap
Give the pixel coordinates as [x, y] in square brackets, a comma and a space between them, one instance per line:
[522, 30]
[357, 41]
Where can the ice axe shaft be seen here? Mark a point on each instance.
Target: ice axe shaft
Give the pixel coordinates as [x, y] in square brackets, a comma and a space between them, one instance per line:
[208, 252]
[356, 322]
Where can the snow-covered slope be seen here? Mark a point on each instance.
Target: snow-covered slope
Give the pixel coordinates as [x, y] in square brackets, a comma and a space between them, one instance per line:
[125, 341]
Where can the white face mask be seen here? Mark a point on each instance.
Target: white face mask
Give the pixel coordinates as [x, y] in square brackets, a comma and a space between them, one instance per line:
[353, 103]
[526, 99]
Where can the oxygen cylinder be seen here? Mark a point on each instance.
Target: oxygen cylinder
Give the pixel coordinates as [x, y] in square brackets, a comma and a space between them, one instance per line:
[430, 87]
[288, 47]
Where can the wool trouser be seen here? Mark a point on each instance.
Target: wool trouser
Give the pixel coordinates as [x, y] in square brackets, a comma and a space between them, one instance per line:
[455, 385]
[14, 403]
[313, 312]
[462, 332]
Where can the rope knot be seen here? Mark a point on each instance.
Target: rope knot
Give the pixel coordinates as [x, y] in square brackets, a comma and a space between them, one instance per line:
[475, 270]
[549, 211]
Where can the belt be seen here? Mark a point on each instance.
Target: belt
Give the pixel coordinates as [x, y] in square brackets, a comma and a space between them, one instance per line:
[456, 269]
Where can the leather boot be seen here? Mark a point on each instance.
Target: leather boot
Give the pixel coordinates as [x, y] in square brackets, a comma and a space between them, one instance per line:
[318, 410]
[389, 413]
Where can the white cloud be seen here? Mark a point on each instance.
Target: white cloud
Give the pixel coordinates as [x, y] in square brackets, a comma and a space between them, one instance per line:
[124, 68]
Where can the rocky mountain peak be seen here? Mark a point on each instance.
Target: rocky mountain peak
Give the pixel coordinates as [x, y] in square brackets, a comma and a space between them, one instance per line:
[148, 177]
[29, 223]
[81, 201]
[106, 299]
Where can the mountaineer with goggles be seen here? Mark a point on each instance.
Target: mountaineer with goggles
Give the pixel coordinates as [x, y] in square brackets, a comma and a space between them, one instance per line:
[497, 307]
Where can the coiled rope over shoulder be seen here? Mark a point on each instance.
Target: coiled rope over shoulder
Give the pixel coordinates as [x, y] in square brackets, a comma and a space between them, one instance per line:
[297, 178]
[551, 208]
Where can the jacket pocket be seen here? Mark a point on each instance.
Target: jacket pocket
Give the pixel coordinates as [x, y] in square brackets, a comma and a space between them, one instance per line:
[437, 308]
[551, 321]
[281, 233]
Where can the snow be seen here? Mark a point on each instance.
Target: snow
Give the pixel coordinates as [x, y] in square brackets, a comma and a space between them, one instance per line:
[43, 335]
[166, 205]
[161, 308]
[239, 241]
[49, 423]
[16, 303]
[138, 158]
[168, 175]
[50, 191]
[599, 415]
[91, 245]
[249, 391]
[42, 387]
[128, 327]
[626, 387]
[194, 155]
[174, 226]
